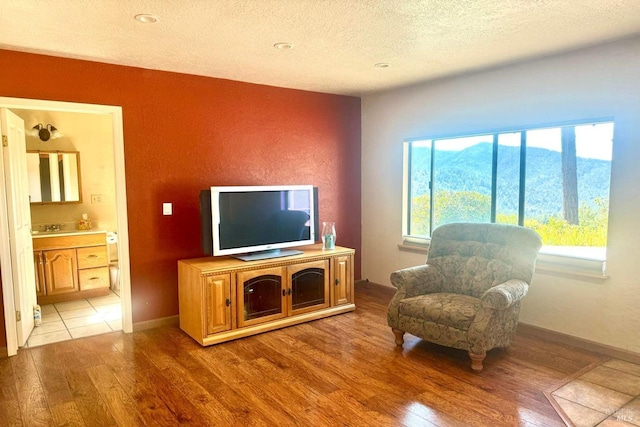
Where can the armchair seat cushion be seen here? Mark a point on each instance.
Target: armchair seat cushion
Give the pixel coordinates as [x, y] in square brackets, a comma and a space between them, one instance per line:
[455, 310]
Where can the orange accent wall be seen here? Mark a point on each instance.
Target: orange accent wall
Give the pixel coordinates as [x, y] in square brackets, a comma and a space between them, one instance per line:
[184, 133]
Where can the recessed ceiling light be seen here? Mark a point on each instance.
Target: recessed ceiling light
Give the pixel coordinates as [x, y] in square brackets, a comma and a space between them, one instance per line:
[146, 18]
[283, 46]
[381, 65]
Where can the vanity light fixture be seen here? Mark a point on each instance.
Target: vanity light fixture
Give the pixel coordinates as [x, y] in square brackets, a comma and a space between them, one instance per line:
[283, 46]
[146, 18]
[44, 132]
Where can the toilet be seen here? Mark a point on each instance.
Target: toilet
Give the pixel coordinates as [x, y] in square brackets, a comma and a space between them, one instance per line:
[114, 271]
[114, 276]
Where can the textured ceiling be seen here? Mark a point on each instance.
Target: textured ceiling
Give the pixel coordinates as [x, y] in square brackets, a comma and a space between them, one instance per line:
[335, 42]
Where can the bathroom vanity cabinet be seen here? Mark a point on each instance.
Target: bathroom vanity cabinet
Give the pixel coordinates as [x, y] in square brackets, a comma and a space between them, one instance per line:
[70, 266]
[223, 298]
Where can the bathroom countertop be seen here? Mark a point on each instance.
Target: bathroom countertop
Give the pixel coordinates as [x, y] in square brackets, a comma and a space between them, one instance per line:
[38, 234]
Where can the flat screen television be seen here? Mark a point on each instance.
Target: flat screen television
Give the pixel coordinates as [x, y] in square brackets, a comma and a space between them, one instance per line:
[258, 222]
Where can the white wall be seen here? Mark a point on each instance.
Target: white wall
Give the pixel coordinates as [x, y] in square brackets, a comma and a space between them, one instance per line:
[591, 83]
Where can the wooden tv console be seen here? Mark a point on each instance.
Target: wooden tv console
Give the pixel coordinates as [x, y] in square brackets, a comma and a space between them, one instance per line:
[223, 298]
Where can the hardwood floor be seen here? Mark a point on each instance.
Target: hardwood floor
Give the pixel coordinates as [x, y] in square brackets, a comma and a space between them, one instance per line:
[340, 371]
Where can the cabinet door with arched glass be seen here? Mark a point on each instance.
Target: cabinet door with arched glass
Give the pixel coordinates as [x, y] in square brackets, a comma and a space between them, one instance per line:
[308, 287]
[261, 296]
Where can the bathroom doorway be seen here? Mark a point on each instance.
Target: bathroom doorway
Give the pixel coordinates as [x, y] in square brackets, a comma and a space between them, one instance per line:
[95, 202]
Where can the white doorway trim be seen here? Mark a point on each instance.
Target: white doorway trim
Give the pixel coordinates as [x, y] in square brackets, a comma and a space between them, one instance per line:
[121, 212]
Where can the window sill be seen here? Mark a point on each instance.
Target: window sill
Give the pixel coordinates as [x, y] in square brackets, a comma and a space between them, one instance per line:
[570, 273]
[415, 248]
[578, 263]
[588, 270]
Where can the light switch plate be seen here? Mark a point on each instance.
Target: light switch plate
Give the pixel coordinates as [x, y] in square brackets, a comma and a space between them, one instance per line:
[167, 209]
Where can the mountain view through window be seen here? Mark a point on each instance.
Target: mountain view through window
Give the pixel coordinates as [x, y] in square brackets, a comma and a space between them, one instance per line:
[554, 180]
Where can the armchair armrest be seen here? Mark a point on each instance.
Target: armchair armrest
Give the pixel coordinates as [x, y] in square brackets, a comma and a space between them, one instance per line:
[419, 280]
[411, 282]
[505, 294]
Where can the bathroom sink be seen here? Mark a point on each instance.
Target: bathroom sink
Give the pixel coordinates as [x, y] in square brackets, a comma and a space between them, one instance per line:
[53, 231]
[37, 233]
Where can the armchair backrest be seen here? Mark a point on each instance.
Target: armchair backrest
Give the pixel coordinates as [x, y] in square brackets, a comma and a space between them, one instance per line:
[474, 257]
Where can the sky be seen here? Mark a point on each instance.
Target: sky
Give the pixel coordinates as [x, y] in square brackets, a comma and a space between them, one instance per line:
[594, 141]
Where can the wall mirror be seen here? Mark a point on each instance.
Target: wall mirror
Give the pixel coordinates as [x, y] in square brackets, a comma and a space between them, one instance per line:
[54, 176]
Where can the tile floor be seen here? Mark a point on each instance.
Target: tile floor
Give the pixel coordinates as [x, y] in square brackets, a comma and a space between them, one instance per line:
[77, 319]
[607, 395]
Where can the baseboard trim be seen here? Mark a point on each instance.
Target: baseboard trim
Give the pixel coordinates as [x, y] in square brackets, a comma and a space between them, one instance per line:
[382, 288]
[156, 323]
[583, 344]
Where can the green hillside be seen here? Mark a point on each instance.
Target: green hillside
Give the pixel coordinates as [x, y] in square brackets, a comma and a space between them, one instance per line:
[462, 191]
[470, 170]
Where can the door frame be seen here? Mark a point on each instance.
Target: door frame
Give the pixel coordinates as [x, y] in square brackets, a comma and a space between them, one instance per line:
[121, 212]
[17, 215]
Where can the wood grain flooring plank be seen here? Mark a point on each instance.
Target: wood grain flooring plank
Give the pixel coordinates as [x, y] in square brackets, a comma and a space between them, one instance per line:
[367, 386]
[34, 409]
[50, 369]
[87, 351]
[24, 371]
[507, 385]
[161, 403]
[146, 386]
[155, 396]
[541, 353]
[120, 405]
[345, 408]
[439, 401]
[513, 407]
[262, 401]
[89, 402]
[10, 413]
[230, 404]
[296, 368]
[280, 395]
[182, 385]
[67, 414]
[33, 406]
[7, 385]
[408, 411]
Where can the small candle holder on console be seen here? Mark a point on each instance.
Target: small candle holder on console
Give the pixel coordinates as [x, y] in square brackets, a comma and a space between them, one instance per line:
[328, 236]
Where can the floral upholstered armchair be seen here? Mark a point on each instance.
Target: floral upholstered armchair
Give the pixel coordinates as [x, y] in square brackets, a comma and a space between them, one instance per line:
[468, 293]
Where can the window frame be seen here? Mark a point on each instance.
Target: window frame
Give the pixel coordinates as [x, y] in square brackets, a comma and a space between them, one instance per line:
[549, 261]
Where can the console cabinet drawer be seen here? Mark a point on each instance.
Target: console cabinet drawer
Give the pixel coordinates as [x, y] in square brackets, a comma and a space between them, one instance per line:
[90, 257]
[93, 278]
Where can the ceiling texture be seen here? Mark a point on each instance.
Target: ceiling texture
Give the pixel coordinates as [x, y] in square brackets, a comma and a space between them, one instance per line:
[335, 43]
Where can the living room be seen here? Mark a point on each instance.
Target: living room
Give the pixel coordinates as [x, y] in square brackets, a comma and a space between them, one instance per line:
[184, 133]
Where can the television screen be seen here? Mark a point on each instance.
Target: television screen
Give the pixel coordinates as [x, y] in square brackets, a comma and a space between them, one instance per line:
[258, 222]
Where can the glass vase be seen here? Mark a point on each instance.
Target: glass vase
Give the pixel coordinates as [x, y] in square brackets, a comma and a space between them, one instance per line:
[328, 235]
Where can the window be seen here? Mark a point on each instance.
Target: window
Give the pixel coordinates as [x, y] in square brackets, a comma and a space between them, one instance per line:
[554, 180]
